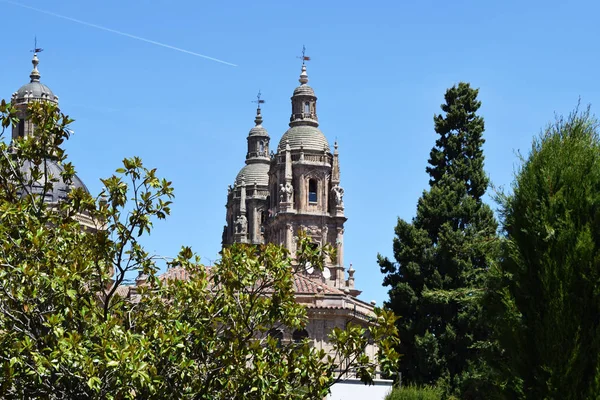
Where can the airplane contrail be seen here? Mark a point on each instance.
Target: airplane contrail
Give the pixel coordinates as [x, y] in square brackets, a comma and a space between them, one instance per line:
[117, 32]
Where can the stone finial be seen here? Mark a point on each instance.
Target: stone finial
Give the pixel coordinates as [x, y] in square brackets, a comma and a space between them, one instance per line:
[35, 74]
[258, 120]
[303, 76]
[351, 276]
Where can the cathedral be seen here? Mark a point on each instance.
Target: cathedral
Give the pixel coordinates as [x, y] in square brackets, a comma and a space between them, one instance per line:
[274, 196]
[297, 188]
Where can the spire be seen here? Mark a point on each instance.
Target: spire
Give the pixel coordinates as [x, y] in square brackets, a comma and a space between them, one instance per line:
[258, 120]
[303, 75]
[35, 74]
[335, 166]
[243, 196]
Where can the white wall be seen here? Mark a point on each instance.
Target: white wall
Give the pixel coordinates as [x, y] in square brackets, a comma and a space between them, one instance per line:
[354, 389]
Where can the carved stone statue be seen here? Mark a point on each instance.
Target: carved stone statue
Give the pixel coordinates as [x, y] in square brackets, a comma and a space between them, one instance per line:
[338, 195]
[286, 193]
[289, 191]
[241, 225]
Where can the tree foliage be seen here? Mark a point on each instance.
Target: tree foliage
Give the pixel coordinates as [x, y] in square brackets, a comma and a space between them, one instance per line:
[65, 332]
[441, 255]
[543, 298]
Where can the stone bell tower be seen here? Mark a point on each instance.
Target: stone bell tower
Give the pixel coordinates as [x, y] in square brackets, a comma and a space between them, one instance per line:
[247, 198]
[34, 91]
[304, 187]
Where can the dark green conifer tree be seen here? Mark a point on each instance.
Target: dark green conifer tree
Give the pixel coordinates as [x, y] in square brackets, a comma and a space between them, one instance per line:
[442, 255]
[544, 297]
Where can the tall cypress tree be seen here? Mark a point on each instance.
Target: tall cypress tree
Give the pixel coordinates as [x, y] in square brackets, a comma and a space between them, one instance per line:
[544, 297]
[442, 255]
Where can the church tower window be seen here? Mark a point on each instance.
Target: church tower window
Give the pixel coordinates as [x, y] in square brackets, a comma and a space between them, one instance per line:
[21, 128]
[312, 191]
[307, 108]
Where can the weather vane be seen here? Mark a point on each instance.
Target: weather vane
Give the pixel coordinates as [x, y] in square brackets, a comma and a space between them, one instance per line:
[35, 48]
[258, 100]
[304, 57]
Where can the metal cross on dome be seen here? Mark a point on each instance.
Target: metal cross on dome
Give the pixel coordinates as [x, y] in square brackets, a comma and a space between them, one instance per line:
[35, 48]
[258, 100]
[304, 57]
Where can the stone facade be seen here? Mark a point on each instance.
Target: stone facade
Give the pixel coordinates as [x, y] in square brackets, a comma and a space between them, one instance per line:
[297, 189]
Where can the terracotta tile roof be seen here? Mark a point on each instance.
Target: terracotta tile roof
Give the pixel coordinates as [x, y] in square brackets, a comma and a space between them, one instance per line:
[175, 273]
[302, 283]
[305, 285]
[123, 291]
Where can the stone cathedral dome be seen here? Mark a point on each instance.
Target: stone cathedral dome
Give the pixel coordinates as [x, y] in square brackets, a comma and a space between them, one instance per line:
[31, 92]
[305, 136]
[251, 173]
[60, 190]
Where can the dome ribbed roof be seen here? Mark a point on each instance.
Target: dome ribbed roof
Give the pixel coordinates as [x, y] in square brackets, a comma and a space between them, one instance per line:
[304, 90]
[258, 172]
[35, 90]
[258, 130]
[60, 189]
[310, 137]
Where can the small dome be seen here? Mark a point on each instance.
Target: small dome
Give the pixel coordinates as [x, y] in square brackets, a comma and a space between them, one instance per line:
[304, 90]
[36, 90]
[60, 189]
[258, 130]
[258, 172]
[307, 136]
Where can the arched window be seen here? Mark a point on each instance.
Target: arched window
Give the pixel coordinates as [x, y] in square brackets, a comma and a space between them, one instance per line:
[307, 108]
[299, 335]
[276, 334]
[312, 191]
[21, 128]
[261, 147]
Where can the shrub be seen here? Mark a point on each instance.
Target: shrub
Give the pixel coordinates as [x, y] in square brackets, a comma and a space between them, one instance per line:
[412, 392]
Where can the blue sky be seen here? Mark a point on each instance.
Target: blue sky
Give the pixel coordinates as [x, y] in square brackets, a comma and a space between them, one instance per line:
[380, 70]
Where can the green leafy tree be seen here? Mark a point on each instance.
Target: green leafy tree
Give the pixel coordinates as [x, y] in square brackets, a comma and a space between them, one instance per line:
[441, 256]
[543, 297]
[65, 332]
